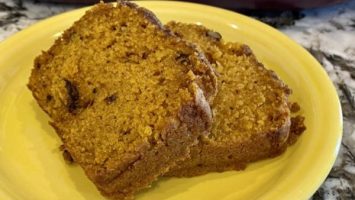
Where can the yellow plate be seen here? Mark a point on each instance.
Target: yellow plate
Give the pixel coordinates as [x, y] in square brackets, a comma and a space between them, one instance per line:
[31, 166]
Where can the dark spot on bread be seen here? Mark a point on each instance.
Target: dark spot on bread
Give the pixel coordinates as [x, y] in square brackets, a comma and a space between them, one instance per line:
[152, 141]
[94, 91]
[145, 55]
[110, 99]
[164, 105]
[157, 73]
[110, 45]
[183, 59]
[161, 80]
[37, 65]
[73, 96]
[123, 24]
[126, 132]
[67, 157]
[144, 25]
[49, 97]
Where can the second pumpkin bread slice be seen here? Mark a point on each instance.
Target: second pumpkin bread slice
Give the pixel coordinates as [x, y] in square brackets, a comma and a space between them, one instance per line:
[252, 119]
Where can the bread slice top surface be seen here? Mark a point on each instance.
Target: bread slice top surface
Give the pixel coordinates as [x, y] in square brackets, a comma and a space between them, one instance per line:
[116, 81]
[251, 99]
[104, 42]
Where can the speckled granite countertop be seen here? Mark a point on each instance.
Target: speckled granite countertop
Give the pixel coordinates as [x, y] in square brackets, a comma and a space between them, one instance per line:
[328, 33]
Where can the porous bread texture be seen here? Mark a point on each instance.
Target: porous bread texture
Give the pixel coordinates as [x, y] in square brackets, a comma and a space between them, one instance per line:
[126, 96]
[251, 112]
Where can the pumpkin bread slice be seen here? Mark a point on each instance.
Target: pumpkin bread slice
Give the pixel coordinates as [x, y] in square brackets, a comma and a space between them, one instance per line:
[252, 118]
[126, 96]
